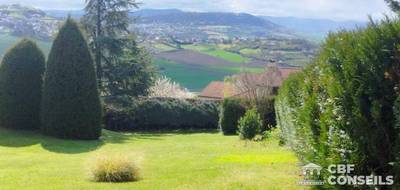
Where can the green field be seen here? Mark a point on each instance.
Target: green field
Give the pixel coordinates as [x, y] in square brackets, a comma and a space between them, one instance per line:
[250, 52]
[218, 52]
[176, 161]
[193, 77]
[7, 41]
[197, 77]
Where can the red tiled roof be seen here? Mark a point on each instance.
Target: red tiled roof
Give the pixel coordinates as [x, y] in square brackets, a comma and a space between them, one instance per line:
[217, 89]
[214, 90]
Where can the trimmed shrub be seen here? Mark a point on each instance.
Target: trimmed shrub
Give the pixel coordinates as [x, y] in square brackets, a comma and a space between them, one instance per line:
[163, 114]
[21, 80]
[340, 110]
[118, 168]
[266, 108]
[250, 125]
[71, 104]
[232, 110]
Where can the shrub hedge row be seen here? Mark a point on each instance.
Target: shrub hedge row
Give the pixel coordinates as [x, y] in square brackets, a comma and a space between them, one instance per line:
[232, 109]
[163, 114]
[341, 109]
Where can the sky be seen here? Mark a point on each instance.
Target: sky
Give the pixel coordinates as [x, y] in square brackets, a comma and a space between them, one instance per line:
[331, 9]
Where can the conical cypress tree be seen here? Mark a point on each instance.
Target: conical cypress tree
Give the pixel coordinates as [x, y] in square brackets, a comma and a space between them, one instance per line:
[71, 106]
[21, 77]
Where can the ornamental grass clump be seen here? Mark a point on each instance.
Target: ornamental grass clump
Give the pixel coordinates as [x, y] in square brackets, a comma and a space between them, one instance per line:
[114, 168]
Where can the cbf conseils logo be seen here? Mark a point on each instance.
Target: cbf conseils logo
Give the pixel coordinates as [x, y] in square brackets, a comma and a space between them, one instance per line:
[341, 174]
[311, 173]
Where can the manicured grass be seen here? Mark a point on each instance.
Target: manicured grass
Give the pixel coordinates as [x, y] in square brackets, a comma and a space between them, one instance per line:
[217, 52]
[183, 161]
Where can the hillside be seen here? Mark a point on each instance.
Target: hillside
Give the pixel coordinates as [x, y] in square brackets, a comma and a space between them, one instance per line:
[26, 21]
[317, 28]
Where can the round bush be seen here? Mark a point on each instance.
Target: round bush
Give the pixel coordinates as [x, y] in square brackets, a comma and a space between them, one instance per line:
[71, 105]
[116, 168]
[21, 80]
[250, 125]
[231, 111]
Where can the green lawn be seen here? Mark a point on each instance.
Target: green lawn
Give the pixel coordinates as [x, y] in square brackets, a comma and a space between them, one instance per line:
[175, 161]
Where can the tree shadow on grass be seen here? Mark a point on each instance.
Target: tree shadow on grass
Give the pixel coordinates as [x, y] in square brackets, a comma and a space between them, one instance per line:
[70, 146]
[18, 138]
[22, 138]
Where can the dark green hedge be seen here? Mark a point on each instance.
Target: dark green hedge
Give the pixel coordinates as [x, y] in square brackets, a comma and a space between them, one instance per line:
[340, 110]
[232, 109]
[163, 114]
[71, 105]
[21, 78]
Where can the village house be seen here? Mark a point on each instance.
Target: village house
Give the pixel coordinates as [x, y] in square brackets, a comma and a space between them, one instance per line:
[218, 90]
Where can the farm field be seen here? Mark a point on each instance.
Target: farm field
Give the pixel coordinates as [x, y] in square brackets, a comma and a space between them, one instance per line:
[219, 52]
[196, 77]
[193, 77]
[167, 160]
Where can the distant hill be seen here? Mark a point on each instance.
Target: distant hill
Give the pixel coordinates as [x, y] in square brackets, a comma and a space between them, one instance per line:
[64, 13]
[173, 16]
[317, 28]
[27, 21]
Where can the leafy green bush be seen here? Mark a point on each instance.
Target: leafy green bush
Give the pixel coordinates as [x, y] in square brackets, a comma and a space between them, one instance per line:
[231, 111]
[21, 80]
[114, 168]
[340, 110]
[250, 125]
[71, 105]
[266, 108]
[163, 114]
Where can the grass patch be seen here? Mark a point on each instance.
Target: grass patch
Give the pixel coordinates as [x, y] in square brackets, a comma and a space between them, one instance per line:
[197, 77]
[218, 52]
[193, 77]
[280, 157]
[251, 52]
[163, 47]
[185, 161]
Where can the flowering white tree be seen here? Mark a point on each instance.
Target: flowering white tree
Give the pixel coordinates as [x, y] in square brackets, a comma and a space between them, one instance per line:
[166, 88]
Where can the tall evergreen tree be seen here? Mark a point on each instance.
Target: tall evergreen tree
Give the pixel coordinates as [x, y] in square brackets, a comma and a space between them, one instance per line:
[394, 5]
[21, 80]
[123, 69]
[71, 104]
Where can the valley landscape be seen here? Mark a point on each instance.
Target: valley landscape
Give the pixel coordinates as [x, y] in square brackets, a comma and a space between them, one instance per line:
[192, 48]
[199, 95]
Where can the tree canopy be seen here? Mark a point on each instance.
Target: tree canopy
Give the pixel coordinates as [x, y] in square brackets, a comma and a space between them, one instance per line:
[71, 104]
[21, 80]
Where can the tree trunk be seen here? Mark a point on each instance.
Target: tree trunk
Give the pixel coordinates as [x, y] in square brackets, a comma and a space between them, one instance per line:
[98, 47]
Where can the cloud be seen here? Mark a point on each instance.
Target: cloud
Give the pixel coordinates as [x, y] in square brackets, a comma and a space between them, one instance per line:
[333, 9]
